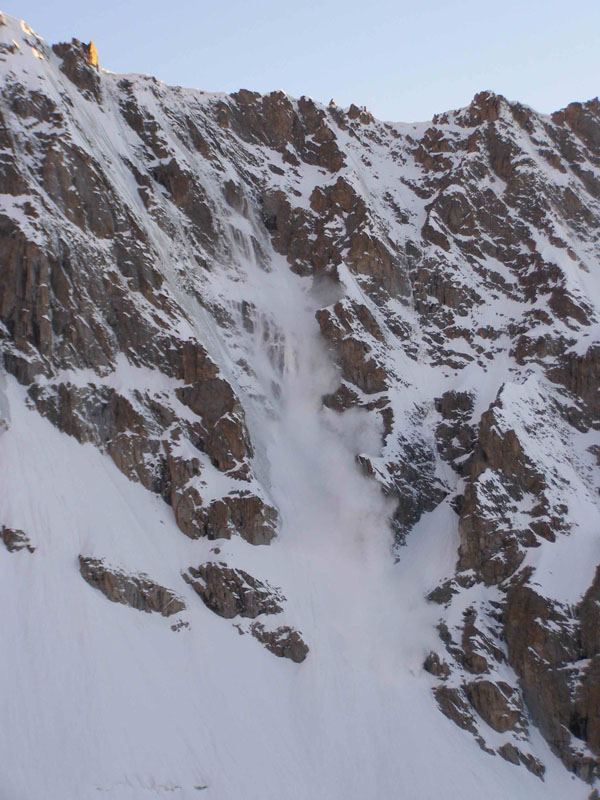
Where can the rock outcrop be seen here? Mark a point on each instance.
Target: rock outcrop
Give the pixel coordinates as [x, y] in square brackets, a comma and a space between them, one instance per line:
[232, 593]
[15, 540]
[136, 591]
[555, 651]
[284, 642]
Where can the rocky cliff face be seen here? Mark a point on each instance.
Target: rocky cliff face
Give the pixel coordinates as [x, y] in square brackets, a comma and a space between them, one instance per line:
[191, 284]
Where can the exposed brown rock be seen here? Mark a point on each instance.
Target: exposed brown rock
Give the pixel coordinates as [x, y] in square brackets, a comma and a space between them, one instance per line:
[273, 120]
[413, 483]
[501, 473]
[453, 706]
[436, 666]
[478, 651]
[583, 120]
[495, 703]
[455, 433]
[284, 642]
[231, 592]
[580, 374]
[15, 540]
[92, 58]
[443, 593]
[243, 513]
[186, 193]
[137, 591]
[511, 753]
[545, 649]
[354, 355]
[80, 65]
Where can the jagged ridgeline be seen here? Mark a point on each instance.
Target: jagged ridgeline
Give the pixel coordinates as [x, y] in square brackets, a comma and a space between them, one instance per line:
[319, 391]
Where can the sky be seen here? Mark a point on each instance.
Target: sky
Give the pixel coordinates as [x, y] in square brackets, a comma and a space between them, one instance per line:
[404, 61]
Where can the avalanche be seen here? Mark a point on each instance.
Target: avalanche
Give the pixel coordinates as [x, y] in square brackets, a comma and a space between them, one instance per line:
[100, 699]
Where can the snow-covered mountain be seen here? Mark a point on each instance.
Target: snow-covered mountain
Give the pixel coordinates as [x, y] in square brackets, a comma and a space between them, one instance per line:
[313, 400]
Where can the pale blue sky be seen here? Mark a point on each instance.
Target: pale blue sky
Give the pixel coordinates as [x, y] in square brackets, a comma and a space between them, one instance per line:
[404, 60]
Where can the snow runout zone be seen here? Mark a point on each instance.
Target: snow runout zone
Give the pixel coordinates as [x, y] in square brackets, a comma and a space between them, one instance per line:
[422, 315]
